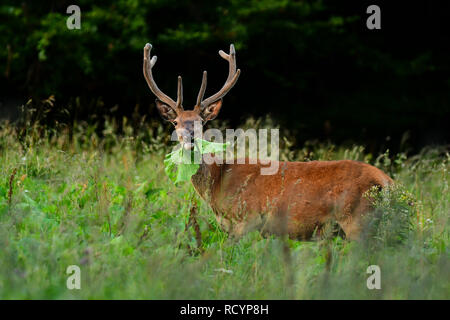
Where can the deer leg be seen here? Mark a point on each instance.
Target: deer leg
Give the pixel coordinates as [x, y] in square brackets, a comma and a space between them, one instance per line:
[194, 223]
[351, 227]
[353, 223]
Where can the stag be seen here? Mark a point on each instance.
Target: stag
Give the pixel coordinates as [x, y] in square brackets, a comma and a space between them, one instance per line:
[300, 199]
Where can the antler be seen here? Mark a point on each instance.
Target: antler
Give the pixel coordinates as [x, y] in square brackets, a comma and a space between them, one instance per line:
[233, 75]
[148, 65]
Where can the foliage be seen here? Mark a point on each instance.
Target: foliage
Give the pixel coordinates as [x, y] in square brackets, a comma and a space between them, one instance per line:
[106, 205]
[334, 79]
[181, 165]
[392, 220]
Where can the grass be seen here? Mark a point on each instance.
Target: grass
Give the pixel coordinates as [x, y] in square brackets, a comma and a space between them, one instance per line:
[106, 205]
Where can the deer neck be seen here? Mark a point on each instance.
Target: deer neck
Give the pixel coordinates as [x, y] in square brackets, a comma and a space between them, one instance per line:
[207, 180]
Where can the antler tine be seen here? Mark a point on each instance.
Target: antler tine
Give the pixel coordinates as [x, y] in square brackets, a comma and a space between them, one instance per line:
[179, 104]
[201, 93]
[233, 75]
[231, 58]
[147, 68]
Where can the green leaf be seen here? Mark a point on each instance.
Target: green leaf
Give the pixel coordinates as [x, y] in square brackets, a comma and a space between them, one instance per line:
[180, 165]
[211, 147]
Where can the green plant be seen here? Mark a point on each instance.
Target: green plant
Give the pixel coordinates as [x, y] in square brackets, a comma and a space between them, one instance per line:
[105, 204]
[393, 214]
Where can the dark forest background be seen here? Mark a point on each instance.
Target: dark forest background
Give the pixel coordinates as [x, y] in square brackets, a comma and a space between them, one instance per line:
[311, 65]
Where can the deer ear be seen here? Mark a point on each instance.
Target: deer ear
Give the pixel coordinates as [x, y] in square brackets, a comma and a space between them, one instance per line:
[166, 112]
[211, 111]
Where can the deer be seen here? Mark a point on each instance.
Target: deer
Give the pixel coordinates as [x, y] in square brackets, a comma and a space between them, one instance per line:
[299, 200]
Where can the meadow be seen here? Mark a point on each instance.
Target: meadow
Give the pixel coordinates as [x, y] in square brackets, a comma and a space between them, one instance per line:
[71, 196]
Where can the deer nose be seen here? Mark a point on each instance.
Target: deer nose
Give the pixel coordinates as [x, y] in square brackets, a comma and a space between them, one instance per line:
[186, 138]
[185, 134]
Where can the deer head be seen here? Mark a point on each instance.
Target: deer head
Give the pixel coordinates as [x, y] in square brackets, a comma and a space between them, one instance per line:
[203, 111]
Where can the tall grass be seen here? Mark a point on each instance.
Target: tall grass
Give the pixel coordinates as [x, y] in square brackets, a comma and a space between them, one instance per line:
[71, 197]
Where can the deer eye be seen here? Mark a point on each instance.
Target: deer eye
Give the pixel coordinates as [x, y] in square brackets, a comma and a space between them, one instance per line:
[175, 122]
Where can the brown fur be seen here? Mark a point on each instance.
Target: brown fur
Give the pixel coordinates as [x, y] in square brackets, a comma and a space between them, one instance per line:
[299, 199]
